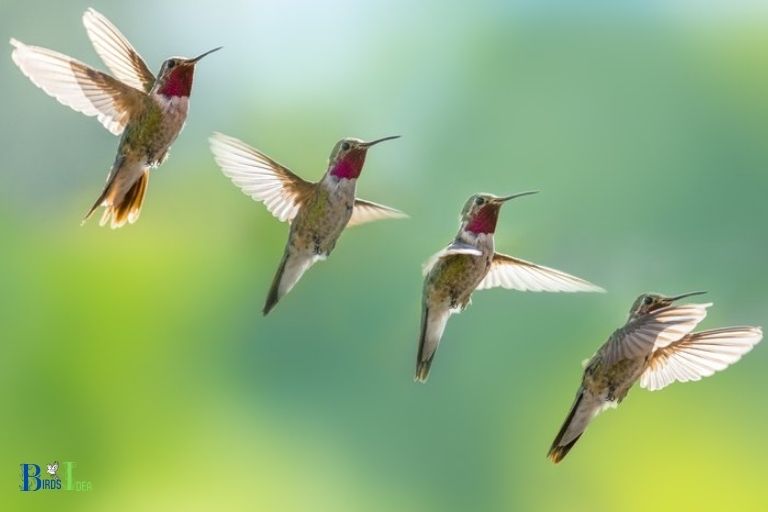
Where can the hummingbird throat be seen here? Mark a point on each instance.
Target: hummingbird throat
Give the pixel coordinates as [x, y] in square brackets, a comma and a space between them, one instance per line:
[350, 165]
[484, 220]
[178, 83]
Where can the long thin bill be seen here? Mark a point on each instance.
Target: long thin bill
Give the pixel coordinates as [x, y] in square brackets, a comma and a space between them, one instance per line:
[204, 54]
[374, 142]
[513, 196]
[689, 294]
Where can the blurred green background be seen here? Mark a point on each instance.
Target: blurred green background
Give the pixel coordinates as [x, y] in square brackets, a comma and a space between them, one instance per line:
[142, 355]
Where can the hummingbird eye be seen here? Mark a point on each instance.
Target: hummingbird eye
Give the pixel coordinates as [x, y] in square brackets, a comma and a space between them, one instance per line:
[171, 63]
[648, 300]
[345, 146]
[479, 201]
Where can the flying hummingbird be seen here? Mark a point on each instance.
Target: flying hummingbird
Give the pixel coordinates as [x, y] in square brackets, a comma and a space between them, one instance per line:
[657, 347]
[318, 212]
[149, 112]
[470, 263]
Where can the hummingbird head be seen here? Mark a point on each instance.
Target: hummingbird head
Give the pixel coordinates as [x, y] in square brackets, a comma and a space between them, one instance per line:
[481, 211]
[348, 156]
[175, 77]
[650, 302]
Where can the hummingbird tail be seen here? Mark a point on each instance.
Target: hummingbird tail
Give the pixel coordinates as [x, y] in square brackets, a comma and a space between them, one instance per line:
[122, 198]
[291, 268]
[422, 371]
[584, 408]
[274, 296]
[432, 327]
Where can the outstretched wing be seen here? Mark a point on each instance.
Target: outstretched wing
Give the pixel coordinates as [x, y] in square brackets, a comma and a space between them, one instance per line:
[78, 86]
[257, 175]
[652, 331]
[698, 355]
[116, 52]
[517, 274]
[367, 211]
[456, 247]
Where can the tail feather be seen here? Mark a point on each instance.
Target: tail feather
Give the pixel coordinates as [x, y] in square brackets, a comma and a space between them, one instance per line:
[96, 204]
[432, 326]
[291, 268]
[273, 296]
[123, 196]
[584, 408]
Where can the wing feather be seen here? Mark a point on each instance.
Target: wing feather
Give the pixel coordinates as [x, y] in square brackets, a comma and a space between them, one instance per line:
[260, 177]
[368, 211]
[78, 86]
[698, 355]
[518, 274]
[116, 52]
[655, 330]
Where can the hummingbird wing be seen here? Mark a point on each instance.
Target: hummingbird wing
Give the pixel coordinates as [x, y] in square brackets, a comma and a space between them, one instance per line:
[368, 211]
[639, 337]
[260, 177]
[456, 247]
[78, 86]
[517, 274]
[698, 355]
[116, 52]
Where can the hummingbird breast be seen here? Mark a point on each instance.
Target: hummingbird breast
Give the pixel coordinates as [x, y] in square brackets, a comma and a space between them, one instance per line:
[321, 220]
[151, 133]
[612, 381]
[452, 280]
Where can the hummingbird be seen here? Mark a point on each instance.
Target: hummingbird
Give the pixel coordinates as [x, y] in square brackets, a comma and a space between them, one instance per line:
[318, 212]
[657, 347]
[147, 111]
[470, 263]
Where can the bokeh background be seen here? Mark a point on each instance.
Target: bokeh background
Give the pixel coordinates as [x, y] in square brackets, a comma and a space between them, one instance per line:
[142, 355]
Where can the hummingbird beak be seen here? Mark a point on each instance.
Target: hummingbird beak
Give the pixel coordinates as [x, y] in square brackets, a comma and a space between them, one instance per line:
[196, 59]
[690, 294]
[374, 142]
[513, 196]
